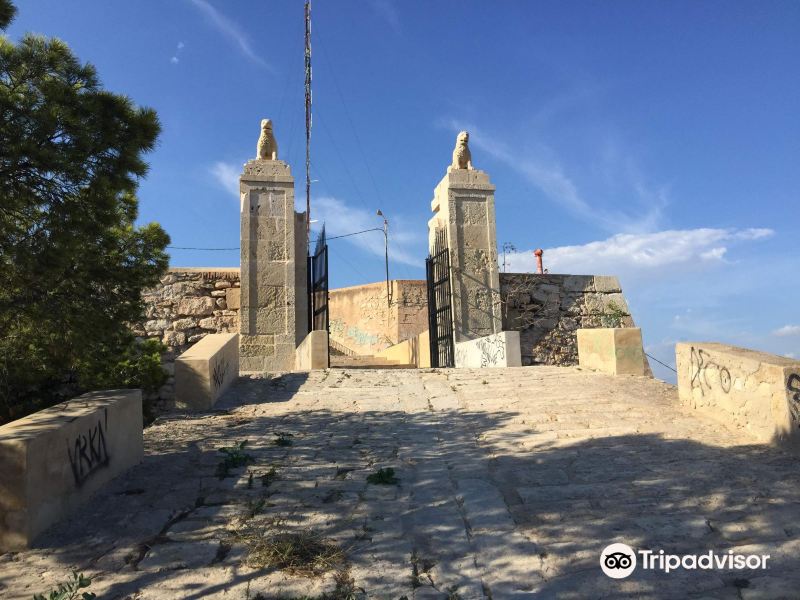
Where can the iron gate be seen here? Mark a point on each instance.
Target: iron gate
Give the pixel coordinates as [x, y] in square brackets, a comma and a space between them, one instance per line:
[318, 285]
[440, 314]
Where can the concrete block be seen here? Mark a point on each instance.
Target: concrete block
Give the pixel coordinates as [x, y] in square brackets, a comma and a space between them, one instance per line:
[616, 351]
[205, 371]
[52, 461]
[497, 350]
[312, 353]
[606, 284]
[755, 392]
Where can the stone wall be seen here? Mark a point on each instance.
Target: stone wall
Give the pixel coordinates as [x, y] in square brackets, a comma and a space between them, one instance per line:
[188, 305]
[547, 310]
[362, 319]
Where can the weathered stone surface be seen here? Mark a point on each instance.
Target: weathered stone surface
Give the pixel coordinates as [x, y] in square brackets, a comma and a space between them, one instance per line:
[511, 482]
[753, 391]
[498, 350]
[206, 370]
[197, 307]
[233, 298]
[312, 353]
[464, 217]
[548, 309]
[52, 461]
[616, 351]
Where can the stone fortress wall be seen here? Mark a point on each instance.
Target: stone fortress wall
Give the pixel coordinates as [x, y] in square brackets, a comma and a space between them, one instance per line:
[547, 310]
[363, 320]
[190, 303]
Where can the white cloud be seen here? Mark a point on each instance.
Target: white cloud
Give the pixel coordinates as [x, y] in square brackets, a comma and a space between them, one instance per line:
[787, 330]
[388, 12]
[553, 181]
[227, 175]
[174, 60]
[181, 45]
[340, 219]
[230, 30]
[641, 254]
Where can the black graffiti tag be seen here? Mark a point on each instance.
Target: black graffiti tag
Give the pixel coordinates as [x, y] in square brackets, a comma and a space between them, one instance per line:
[793, 387]
[700, 363]
[219, 373]
[89, 451]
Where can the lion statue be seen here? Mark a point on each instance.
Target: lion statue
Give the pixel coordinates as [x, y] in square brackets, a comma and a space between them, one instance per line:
[462, 159]
[267, 148]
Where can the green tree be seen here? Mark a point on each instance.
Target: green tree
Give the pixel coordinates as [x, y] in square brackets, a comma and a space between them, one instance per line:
[73, 263]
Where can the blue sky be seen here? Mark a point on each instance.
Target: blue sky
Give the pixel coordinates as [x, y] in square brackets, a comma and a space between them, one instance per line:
[657, 141]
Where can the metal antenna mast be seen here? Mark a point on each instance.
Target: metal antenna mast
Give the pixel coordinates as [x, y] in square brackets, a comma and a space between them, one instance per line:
[308, 117]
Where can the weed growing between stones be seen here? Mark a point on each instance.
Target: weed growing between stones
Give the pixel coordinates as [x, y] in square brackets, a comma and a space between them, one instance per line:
[301, 553]
[70, 590]
[234, 457]
[383, 477]
[283, 439]
[345, 590]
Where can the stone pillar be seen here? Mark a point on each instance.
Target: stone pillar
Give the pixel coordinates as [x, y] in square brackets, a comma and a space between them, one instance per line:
[272, 274]
[463, 206]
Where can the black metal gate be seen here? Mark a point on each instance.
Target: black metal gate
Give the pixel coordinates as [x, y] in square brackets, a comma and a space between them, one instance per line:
[440, 314]
[318, 285]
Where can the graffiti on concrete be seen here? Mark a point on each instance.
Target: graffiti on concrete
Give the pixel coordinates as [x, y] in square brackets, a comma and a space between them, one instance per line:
[88, 452]
[700, 364]
[493, 351]
[219, 373]
[793, 387]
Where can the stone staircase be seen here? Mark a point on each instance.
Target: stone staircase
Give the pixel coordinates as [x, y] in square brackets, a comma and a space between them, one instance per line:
[342, 357]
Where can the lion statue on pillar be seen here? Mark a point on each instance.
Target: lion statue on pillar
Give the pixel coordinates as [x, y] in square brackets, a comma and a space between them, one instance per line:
[462, 159]
[267, 148]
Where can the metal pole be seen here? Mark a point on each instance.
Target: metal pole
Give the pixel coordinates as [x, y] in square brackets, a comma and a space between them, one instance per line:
[308, 116]
[386, 254]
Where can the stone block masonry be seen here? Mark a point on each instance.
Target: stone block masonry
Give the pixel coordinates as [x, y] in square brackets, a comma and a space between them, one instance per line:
[188, 304]
[548, 310]
[52, 461]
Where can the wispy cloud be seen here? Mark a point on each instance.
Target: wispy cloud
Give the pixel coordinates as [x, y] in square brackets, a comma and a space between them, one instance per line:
[647, 253]
[227, 176]
[552, 179]
[175, 60]
[787, 330]
[341, 218]
[406, 240]
[387, 11]
[230, 30]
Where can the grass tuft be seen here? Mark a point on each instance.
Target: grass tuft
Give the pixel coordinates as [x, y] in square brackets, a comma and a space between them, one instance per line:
[383, 477]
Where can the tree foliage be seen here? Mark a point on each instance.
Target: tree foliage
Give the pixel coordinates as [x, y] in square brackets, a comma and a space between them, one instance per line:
[73, 263]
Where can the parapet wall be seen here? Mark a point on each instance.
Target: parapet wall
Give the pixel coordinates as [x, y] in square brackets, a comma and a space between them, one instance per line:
[363, 320]
[547, 310]
[188, 305]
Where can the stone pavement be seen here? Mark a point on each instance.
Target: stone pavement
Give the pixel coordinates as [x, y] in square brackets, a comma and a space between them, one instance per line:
[511, 483]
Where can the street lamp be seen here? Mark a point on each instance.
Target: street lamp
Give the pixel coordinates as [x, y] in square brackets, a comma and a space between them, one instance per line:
[386, 253]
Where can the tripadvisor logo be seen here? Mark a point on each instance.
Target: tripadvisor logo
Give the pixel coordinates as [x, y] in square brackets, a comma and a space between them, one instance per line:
[619, 561]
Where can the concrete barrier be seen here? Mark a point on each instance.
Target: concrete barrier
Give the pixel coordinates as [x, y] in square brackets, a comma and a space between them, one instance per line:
[616, 351]
[312, 353]
[415, 351]
[752, 391]
[204, 371]
[52, 461]
[497, 350]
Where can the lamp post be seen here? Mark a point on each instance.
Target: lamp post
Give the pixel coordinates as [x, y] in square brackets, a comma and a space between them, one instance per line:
[386, 253]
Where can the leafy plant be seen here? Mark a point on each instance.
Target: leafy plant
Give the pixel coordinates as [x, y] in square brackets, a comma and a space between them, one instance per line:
[70, 590]
[234, 457]
[283, 439]
[383, 477]
[73, 260]
[613, 315]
